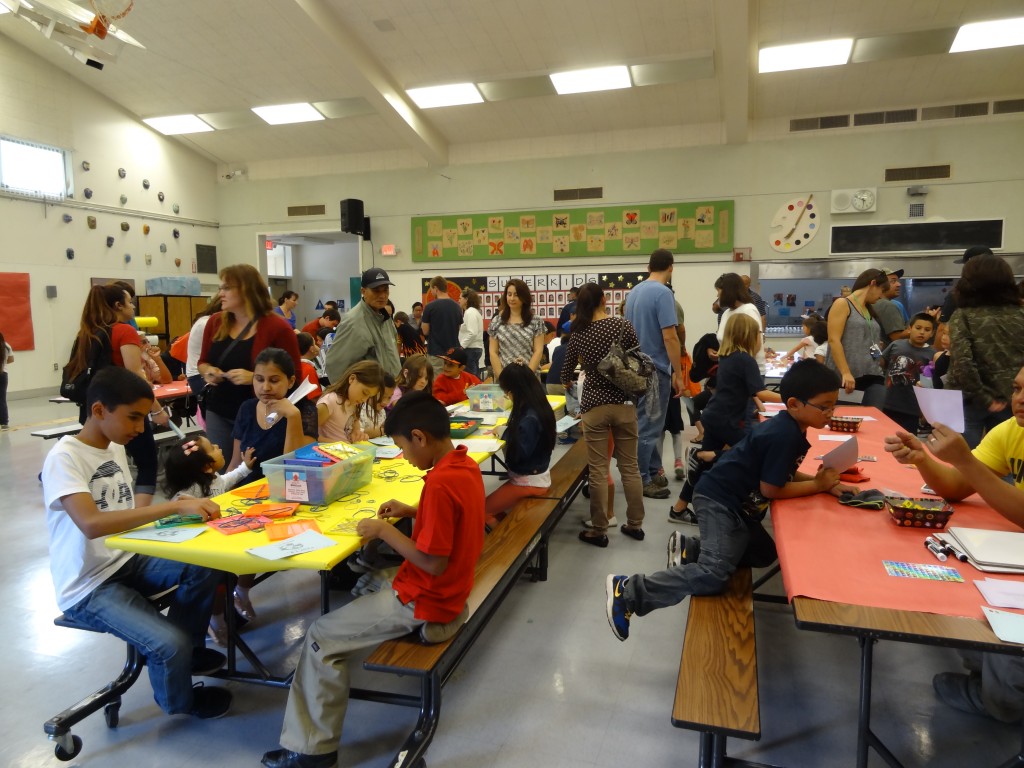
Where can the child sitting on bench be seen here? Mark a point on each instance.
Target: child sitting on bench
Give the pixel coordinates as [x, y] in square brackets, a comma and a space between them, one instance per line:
[427, 593]
[87, 489]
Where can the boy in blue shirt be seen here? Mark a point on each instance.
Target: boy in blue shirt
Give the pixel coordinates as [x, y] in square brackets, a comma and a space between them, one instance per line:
[765, 462]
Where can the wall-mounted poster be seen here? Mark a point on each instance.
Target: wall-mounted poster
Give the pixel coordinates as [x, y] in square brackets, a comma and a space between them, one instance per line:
[16, 311]
[698, 227]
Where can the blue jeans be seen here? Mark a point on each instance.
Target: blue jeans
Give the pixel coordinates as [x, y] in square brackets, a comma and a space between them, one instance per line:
[473, 361]
[651, 428]
[728, 538]
[120, 607]
[978, 420]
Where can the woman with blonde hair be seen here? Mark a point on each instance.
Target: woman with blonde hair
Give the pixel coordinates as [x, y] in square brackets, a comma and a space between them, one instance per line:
[246, 325]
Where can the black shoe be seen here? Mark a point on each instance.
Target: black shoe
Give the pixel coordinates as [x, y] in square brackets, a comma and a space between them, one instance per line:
[597, 541]
[285, 758]
[634, 533]
[961, 692]
[686, 516]
[209, 703]
[206, 661]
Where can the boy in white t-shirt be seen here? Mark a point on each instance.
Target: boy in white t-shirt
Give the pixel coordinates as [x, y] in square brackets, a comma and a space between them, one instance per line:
[87, 489]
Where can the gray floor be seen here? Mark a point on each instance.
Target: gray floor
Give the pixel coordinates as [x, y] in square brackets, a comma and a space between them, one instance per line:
[546, 684]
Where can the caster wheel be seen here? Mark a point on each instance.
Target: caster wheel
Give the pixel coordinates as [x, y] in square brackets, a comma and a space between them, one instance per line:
[63, 754]
[586, 490]
[111, 713]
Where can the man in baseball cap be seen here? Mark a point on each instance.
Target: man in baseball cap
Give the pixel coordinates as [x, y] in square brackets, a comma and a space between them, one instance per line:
[888, 310]
[970, 253]
[366, 332]
[375, 277]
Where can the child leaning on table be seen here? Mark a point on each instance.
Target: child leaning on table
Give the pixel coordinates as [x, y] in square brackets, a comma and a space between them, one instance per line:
[766, 461]
[87, 489]
[427, 594]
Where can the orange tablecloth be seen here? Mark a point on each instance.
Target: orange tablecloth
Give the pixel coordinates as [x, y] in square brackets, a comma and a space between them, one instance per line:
[832, 552]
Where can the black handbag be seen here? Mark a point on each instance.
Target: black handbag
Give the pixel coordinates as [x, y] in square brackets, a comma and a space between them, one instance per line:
[204, 392]
[101, 355]
[628, 369]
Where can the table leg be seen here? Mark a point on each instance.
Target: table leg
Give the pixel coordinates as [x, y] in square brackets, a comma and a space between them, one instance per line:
[865, 736]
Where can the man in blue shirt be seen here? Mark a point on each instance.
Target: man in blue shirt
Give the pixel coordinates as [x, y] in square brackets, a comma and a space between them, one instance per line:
[651, 309]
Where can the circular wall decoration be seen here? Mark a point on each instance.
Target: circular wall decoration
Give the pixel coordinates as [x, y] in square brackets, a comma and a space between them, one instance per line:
[124, 199]
[110, 241]
[121, 172]
[794, 225]
[163, 247]
[145, 229]
[125, 226]
[145, 183]
[127, 258]
[160, 196]
[175, 208]
[88, 193]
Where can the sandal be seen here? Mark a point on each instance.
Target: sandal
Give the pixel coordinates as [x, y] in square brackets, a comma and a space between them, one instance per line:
[697, 440]
[243, 606]
[218, 630]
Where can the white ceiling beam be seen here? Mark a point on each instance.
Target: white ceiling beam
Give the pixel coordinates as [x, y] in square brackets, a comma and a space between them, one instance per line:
[387, 97]
[736, 54]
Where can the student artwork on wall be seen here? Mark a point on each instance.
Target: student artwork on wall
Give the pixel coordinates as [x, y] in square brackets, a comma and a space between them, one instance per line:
[16, 311]
[701, 227]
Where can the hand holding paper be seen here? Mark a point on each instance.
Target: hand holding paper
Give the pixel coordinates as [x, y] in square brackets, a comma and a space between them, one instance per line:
[843, 456]
[942, 405]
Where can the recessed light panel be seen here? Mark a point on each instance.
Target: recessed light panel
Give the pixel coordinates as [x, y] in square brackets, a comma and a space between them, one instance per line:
[824, 53]
[989, 34]
[288, 113]
[587, 80]
[445, 95]
[172, 125]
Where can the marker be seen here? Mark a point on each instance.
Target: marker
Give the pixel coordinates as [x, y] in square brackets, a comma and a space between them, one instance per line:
[951, 550]
[939, 554]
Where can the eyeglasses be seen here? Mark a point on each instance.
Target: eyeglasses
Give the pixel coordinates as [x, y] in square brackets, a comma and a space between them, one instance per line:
[224, 288]
[822, 408]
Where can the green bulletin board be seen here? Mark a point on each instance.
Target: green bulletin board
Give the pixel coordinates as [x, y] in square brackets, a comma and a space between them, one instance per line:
[623, 230]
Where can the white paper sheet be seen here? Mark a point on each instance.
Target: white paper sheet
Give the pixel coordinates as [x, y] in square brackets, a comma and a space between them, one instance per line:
[566, 422]
[307, 541]
[382, 440]
[1009, 627]
[843, 456]
[945, 406]
[1001, 593]
[835, 438]
[304, 388]
[174, 535]
[388, 452]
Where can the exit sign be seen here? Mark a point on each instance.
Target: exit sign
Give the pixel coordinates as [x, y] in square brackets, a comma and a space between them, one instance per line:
[389, 250]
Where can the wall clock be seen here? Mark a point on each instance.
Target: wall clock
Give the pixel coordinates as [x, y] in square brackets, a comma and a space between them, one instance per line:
[794, 225]
[863, 200]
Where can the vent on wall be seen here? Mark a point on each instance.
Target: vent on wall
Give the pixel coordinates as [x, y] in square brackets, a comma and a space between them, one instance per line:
[915, 211]
[307, 210]
[583, 193]
[909, 115]
[1008, 106]
[954, 110]
[919, 173]
[819, 123]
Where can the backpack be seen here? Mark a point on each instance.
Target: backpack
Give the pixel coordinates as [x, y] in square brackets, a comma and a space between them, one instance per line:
[702, 364]
[100, 356]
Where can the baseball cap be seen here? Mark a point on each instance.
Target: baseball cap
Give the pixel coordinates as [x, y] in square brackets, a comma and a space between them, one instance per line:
[455, 355]
[970, 253]
[897, 272]
[375, 278]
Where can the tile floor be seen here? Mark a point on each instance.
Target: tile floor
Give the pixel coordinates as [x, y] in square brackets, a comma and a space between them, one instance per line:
[546, 684]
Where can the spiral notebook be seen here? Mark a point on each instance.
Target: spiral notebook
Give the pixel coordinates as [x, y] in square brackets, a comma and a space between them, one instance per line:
[995, 551]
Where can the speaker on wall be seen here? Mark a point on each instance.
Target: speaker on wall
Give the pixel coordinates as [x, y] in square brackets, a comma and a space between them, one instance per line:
[366, 228]
[352, 216]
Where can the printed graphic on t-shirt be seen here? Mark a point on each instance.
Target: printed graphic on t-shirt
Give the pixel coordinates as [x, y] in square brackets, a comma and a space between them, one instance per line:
[108, 487]
[904, 371]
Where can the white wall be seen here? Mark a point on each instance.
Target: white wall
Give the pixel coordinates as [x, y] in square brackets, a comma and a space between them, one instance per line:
[323, 270]
[40, 103]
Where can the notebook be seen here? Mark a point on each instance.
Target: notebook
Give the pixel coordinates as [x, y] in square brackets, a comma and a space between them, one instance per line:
[991, 550]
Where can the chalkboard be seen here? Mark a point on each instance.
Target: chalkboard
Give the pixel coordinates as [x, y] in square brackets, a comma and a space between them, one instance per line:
[922, 236]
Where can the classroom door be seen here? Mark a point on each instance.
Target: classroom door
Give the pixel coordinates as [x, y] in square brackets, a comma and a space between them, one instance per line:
[313, 294]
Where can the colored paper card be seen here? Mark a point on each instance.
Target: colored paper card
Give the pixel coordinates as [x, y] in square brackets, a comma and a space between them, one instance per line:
[171, 535]
[260, 491]
[1009, 627]
[944, 406]
[1002, 593]
[566, 422]
[309, 541]
[238, 524]
[843, 456]
[921, 571]
[282, 509]
[277, 530]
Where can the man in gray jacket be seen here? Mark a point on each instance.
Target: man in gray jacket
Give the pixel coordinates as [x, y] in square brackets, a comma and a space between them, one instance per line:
[367, 331]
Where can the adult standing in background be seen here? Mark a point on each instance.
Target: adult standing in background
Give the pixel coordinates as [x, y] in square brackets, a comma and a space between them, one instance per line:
[734, 298]
[195, 345]
[986, 343]
[471, 332]
[651, 310]
[757, 301]
[366, 332]
[516, 335]
[853, 349]
[417, 315]
[892, 326]
[567, 312]
[949, 303]
[440, 323]
[6, 358]
[286, 307]
[246, 325]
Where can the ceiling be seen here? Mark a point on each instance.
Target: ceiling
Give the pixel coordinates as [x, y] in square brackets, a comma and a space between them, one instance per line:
[356, 57]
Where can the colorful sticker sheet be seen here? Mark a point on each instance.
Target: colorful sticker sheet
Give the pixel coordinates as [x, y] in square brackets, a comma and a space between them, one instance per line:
[922, 571]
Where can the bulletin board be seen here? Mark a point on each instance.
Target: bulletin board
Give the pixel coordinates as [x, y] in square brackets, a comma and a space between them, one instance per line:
[705, 227]
[16, 311]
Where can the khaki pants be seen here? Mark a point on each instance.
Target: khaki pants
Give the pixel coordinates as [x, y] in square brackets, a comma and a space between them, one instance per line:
[318, 698]
[619, 421]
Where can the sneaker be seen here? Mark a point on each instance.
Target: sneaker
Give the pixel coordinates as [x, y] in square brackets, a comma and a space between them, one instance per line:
[961, 692]
[660, 480]
[633, 532]
[691, 463]
[209, 703]
[615, 605]
[675, 549]
[686, 516]
[599, 540]
[654, 491]
[680, 470]
[285, 758]
[612, 522]
[206, 661]
[367, 585]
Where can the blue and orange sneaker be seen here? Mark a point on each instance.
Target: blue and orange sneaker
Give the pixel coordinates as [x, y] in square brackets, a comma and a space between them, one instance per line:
[615, 607]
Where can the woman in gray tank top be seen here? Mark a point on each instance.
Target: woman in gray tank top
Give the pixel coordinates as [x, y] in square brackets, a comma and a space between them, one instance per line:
[853, 337]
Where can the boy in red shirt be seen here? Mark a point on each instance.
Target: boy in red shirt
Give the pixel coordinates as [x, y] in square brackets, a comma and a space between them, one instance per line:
[427, 594]
[450, 386]
[308, 350]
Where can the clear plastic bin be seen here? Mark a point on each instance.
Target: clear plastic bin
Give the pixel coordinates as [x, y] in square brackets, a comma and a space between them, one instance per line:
[487, 397]
[292, 479]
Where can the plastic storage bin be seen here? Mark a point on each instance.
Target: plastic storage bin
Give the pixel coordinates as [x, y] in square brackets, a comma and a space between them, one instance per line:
[487, 397]
[302, 480]
[463, 427]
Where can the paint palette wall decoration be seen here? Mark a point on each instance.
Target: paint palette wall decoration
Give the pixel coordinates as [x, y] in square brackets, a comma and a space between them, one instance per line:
[794, 225]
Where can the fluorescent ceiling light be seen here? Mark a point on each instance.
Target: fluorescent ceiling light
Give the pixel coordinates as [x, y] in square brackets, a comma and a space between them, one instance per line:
[175, 124]
[288, 113]
[445, 95]
[824, 53]
[989, 34]
[586, 80]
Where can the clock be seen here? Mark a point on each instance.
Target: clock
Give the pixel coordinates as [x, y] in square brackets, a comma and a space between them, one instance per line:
[794, 225]
[863, 200]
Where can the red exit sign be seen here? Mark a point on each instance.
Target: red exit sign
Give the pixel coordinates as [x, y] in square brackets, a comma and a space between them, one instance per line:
[389, 250]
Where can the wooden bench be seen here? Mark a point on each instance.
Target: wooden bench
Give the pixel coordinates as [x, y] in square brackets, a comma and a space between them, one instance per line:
[716, 691]
[517, 546]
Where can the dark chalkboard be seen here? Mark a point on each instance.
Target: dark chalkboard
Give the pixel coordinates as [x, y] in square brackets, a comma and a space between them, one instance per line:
[923, 236]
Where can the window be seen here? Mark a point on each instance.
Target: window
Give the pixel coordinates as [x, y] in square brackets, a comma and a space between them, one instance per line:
[33, 169]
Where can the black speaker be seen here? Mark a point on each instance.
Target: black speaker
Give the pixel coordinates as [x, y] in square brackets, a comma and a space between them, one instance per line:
[366, 228]
[352, 216]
